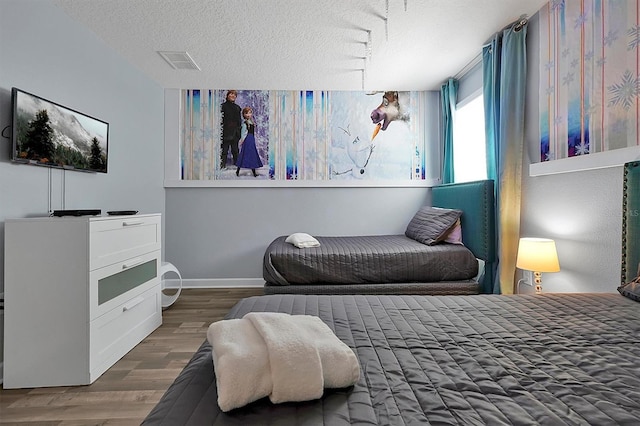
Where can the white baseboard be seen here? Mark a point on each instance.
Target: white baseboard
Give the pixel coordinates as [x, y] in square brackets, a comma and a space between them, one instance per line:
[213, 283]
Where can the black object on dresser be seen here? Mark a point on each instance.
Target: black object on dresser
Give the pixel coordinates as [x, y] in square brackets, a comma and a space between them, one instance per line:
[77, 212]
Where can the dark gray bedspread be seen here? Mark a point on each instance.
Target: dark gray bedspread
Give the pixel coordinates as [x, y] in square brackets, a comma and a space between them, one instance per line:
[367, 259]
[554, 359]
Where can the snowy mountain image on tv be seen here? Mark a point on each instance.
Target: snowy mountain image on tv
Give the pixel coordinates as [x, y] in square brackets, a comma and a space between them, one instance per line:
[49, 134]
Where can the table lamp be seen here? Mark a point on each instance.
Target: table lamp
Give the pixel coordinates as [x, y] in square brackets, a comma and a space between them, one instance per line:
[537, 255]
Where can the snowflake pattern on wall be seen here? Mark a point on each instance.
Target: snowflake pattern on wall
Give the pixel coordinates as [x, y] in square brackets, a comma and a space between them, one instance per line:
[634, 37]
[589, 77]
[625, 92]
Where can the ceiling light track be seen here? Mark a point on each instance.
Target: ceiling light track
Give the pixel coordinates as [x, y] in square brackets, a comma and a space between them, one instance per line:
[368, 44]
[386, 20]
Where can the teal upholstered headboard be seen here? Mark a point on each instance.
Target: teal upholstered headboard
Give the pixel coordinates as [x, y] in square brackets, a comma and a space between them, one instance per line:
[477, 202]
[630, 222]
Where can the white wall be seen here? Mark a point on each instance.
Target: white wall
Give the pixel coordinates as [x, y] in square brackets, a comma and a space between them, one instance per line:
[46, 53]
[470, 83]
[218, 233]
[581, 210]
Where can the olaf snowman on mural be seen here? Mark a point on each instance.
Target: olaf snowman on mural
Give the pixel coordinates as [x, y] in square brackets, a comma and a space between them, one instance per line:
[359, 151]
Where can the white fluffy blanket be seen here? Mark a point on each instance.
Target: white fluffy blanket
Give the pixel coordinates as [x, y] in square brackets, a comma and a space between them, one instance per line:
[284, 357]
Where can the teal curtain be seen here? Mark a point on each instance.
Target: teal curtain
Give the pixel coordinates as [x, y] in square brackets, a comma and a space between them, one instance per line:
[504, 63]
[448, 100]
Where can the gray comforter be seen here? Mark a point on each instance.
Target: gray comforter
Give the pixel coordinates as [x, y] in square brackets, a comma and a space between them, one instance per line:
[367, 259]
[470, 360]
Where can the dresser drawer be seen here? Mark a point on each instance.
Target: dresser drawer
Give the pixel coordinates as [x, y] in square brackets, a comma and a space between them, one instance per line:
[112, 285]
[115, 240]
[116, 332]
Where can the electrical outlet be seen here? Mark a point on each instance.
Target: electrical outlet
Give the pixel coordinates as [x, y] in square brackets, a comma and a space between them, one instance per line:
[527, 278]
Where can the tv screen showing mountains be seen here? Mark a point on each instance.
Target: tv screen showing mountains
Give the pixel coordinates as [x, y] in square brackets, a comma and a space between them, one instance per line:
[50, 134]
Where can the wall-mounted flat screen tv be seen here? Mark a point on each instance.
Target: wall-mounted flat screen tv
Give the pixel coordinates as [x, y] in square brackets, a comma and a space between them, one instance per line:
[48, 134]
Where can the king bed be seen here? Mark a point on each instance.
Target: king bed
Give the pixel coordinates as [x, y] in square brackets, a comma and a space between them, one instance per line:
[483, 359]
[421, 261]
[550, 359]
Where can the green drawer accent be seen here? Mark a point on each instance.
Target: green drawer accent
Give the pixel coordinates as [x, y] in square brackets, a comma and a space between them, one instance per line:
[631, 222]
[117, 284]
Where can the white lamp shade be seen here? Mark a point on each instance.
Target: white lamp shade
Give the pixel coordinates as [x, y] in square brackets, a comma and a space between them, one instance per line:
[537, 254]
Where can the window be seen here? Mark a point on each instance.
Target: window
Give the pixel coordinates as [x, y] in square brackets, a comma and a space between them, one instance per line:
[469, 152]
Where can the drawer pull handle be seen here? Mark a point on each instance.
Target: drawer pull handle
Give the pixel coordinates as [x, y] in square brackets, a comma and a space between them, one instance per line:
[132, 222]
[132, 263]
[135, 302]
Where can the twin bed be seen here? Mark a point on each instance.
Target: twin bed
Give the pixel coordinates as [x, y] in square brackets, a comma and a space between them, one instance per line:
[397, 264]
[449, 359]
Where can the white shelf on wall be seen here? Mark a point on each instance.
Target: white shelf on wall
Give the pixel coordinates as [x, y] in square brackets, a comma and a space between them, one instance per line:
[298, 183]
[599, 160]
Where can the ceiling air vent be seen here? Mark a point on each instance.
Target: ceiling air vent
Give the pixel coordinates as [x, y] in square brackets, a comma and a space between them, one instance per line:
[179, 60]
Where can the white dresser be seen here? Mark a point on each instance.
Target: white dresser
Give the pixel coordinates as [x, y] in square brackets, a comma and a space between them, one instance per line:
[80, 292]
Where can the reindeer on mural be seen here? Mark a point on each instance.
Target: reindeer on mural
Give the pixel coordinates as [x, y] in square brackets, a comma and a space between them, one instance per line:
[394, 107]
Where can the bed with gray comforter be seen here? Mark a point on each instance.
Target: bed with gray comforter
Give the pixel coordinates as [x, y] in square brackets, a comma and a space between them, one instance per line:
[486, 359]
[420, 261]
[366, 260]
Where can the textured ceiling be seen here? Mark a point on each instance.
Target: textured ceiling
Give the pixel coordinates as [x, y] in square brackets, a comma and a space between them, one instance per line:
[300, 44]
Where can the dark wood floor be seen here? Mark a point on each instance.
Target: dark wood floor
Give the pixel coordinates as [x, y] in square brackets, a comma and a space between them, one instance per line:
[127, 392]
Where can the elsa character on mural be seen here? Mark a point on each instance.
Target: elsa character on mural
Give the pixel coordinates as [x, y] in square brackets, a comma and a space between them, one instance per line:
[248, 157]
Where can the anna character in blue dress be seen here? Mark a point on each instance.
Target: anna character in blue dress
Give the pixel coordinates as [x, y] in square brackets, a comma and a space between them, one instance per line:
[248, 157]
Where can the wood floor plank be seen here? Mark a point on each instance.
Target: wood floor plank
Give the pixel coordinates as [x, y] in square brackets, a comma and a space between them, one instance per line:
[129, 390]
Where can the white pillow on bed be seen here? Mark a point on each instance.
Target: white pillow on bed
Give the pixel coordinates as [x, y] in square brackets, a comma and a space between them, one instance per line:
[302, 240]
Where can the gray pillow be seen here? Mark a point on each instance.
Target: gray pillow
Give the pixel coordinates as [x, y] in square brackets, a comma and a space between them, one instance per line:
[430, 225]
[631, 290]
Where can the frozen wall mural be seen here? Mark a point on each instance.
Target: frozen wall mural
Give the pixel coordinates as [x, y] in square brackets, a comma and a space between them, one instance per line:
[589, 68]
[309, 135]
